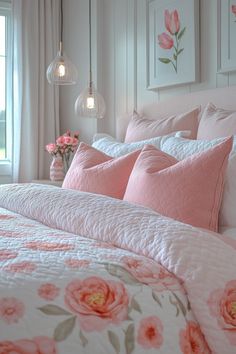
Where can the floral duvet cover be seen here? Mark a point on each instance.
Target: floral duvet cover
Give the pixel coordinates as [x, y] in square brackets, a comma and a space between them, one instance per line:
[83, 273]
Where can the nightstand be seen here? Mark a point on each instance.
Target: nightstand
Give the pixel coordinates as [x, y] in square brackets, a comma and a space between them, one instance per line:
[48, 181]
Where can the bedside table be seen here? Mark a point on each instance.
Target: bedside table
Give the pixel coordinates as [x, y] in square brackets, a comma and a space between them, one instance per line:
[48, 181]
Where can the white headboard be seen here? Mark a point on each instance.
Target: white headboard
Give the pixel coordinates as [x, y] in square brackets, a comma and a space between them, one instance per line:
[221, 97]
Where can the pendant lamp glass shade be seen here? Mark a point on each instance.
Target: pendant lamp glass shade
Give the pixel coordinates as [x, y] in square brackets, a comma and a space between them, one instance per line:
[90, 104]
[61, 71]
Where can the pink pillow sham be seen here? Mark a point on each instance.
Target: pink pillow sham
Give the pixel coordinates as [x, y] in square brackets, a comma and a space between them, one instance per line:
[95, 172]
[189, 191]
[141, 128]
[216, 123]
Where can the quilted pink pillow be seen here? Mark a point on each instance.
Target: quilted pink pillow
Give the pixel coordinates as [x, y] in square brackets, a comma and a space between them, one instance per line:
[189, 191]
[141, 128]
[216, 123]
[95, 172]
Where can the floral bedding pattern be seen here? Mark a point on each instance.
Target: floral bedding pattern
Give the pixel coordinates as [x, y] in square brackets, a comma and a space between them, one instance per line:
[91, 293]
[65, 293]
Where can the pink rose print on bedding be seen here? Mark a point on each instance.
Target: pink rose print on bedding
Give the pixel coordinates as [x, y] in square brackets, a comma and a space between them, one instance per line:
[48, 291]
[77, 263]
[6, 217]
[150, 332]
[192, 340]
[5, 255]
[39, 345]
[222, 305]
[11, 310]
[151, 273]
[4, 233]
[97, 302]
[21, 267]
[49, 246]
[103, 245]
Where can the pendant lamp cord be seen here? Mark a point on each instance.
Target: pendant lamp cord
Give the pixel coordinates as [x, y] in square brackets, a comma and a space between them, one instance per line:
[90, 44]
[61, 25]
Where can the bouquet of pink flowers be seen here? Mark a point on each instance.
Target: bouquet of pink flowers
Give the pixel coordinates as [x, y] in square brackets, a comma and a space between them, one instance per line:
[65, 145]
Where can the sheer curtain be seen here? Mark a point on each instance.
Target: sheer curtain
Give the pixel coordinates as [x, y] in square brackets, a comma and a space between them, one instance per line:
[36, 103]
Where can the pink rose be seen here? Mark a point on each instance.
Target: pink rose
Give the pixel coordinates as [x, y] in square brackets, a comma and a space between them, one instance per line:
[75, 142]
[39, 345]
[150, 332]
[222, 305]
[165, 41]
[60, 141]
[68, 140]
[48, 291]
[11, 309]
[151, 273]
[51, 148]
[172, 21]
[234, 9]
[97, 302]
[192, 340]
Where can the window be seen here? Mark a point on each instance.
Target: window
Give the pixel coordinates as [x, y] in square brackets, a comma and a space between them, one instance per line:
[5, 89]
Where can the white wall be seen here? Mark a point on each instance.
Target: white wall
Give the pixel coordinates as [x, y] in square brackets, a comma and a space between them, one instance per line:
[121, 58]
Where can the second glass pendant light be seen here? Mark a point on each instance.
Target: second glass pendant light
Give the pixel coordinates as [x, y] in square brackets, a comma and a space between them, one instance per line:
[90, 103]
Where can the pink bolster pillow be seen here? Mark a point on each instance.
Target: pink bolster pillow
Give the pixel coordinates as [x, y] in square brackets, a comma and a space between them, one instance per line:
[95, 172]
[189, 191]
[141, 128]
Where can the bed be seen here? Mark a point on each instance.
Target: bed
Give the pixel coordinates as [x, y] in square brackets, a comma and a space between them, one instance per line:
[86, 273]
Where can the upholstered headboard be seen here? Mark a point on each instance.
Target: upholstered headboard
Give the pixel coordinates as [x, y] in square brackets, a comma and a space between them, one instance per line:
[221, 97]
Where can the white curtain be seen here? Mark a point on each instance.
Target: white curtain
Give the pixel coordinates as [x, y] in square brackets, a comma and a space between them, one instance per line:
[36, 103]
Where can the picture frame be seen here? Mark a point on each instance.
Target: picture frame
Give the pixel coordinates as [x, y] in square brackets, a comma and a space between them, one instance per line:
[226, 60]
[172, 42]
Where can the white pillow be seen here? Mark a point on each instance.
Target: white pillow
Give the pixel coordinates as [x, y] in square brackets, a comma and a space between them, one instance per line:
[181, 148]
[114, 148]
[99, 136]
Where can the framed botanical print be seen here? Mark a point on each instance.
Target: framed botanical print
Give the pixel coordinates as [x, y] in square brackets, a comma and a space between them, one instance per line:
[173, 42]
[226, 36]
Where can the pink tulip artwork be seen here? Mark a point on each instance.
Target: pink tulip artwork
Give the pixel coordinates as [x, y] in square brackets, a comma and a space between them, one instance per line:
[171, 39]
[233, 8]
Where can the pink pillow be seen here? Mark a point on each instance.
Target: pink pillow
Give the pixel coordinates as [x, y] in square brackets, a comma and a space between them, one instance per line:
[216, 123]
[95, 172]
[189, 191]
[141, 128]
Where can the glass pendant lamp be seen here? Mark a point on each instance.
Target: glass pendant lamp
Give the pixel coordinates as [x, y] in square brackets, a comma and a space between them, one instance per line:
[90, 103]
[61, 71]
